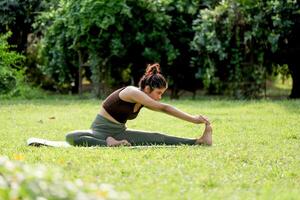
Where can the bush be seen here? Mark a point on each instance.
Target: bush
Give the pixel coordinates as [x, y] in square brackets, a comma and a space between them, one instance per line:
[7, 81]
[12, 81]
[238, 43]
[9, 63]
[20, 181]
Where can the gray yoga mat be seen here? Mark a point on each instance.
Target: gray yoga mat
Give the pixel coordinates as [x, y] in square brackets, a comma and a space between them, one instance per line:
[39, 142]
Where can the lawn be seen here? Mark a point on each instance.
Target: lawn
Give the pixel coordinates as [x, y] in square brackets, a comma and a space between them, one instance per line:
[255, 154]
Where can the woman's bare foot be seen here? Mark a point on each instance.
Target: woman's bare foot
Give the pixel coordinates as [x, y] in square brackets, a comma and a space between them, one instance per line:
[112, 142]
[206, 138]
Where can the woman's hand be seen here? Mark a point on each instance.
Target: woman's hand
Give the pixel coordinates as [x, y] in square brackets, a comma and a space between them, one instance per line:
[199, 119]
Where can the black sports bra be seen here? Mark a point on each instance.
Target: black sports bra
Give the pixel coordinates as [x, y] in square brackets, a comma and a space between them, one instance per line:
[119, 109]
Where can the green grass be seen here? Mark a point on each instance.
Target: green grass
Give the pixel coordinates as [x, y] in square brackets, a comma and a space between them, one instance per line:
[255, 153]
[278, 89]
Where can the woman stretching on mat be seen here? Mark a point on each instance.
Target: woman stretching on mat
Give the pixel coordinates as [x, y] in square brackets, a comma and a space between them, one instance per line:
[108, 129]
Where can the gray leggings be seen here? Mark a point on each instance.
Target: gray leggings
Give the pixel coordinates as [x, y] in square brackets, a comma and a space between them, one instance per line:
[102, 128]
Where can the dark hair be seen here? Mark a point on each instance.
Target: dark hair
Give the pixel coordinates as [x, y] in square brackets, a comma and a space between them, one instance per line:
[153, 78]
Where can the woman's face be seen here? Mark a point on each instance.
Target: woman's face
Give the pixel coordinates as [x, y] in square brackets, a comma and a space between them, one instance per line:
[156, 93]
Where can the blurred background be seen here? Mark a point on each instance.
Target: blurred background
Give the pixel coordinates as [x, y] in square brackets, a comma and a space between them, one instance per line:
[242, 49]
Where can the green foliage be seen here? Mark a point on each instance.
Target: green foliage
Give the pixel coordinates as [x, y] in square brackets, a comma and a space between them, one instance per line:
[21, 181]
[17, 16]
[230, 49]
[106, 35]
[10, 61]
[235, 41]
[283, 71]
[114, 36]
[12, 80]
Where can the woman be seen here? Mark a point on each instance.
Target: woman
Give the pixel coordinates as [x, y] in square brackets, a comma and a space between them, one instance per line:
[108, 129]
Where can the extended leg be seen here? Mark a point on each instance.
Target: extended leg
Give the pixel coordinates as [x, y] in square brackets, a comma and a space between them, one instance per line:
[84, 138]
[147, 138]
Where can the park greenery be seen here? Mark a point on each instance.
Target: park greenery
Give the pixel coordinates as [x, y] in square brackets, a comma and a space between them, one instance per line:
[10, 74]
[224, 47]
[231, 50]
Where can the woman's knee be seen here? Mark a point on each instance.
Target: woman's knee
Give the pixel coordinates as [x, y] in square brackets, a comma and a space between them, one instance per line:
[70, 138]
[74, 137]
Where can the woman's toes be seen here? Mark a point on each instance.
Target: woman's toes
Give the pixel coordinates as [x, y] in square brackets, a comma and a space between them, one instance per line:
[125, 143]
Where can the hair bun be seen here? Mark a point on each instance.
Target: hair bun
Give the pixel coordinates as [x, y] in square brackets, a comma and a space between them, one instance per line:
[152, 69]
[153, 78]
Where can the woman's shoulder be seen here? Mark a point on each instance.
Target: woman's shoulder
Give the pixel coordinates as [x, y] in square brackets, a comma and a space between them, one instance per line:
[129, 92]
[131, 88]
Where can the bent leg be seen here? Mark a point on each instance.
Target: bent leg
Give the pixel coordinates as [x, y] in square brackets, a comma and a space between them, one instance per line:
[135, 138]
[112, 142]
[84, 138]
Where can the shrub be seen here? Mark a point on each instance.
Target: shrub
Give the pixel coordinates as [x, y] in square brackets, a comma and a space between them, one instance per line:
[9, 63]
[21, 181]
[12, 80]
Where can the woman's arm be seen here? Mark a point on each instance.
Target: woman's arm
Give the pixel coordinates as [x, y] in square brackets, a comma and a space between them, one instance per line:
[171, 110]
[133, 94]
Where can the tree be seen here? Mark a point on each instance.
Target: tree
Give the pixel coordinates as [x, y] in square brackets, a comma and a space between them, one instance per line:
[114, 38]
[289, 50]
[17, 16]
[237, 41]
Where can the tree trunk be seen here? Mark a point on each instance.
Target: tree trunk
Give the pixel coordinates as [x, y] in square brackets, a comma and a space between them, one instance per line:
[293, 57]
[295, 72]
[80, 73]
[100, 76]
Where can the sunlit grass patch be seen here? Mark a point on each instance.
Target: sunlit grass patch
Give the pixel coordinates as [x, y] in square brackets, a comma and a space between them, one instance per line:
[255, 153]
